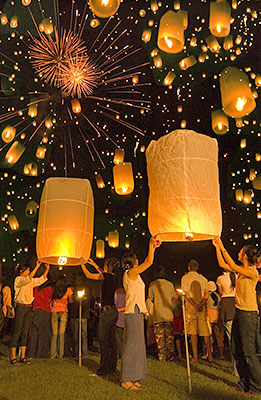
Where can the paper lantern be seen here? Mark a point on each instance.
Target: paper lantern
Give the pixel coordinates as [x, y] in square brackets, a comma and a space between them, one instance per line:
[40, 151]
[169, 78]
[258, 80]
[239, 195]
[14, 22]
[94, 23]
[4, 19]
[123, 178]
[247, 198]
[8, 134]
[99, 181]
[31, 209]
[26, 2]
[100, 248]
[202, 57]
[113, 239]
[146, 35]
[48, 123]
[228, 42]
[252, 174]
[14, 153]
[176, 5]
[171, 31]
[154, 5]
[220, 124]
[104, 8]
[243, 143]
[239, 122]
[30, 169]
[157, 60]
[258, 156]
[154, 52]
[65, 225]
[13, 222]
[219, 18]
[236, 96]
[118, 156]
[193, 41]
[76, 106]
[187, 62]
[184, 201]
[213, 44]
[46, 26]
[257, 182]
[32, 110]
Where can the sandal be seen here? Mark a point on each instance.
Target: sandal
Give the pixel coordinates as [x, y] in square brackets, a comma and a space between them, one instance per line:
[137, 385]
[129, 386]
[14, 361]
[24, 361]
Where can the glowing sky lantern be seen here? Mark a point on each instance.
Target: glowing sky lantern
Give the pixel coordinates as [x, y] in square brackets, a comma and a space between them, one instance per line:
[184, 200]
[113, 238]
[14, 153]
[169, 78]
[220, 124]
[104, 8]
[213, 44]
[236, 96]
[13, 222]
[123, 178]
[32, 110]
[219, 18]
[239, 195]
[99, 181]
[65, 224]
[76, 106]
[40, 151]
[100, 248]
[118, 156]
[31, 209]
[187, 62]
[171, 31]
[8, 133]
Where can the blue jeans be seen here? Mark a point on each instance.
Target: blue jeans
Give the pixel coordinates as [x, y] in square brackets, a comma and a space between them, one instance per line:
[107, 340]
[59, 322]
[243, 344]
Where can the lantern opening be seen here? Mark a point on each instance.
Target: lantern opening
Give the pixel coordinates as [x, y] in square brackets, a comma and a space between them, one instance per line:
[240, 104]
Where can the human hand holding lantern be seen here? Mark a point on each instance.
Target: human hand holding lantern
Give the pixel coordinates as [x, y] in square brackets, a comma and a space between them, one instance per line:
[154, 242]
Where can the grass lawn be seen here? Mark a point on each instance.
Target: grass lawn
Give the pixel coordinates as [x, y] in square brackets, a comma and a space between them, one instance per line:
[47, 379]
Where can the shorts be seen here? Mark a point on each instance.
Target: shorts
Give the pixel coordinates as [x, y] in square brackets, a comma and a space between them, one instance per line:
[197, 322]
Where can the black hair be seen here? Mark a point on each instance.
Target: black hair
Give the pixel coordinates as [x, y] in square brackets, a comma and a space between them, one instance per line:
[21, 268]
[214, 297]
[128, 260]
[160, 273]
[60, 288]
[252, 254]
[232, 276]
[112, 264]
[193, 265]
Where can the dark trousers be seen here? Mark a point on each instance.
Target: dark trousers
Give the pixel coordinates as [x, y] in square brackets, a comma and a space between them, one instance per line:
[23, 317]
[40, 334]
[107, 340]
[119, 339]
[243, 344]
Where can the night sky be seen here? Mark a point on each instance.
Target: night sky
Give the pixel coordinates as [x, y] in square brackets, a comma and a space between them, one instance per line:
[121, 114]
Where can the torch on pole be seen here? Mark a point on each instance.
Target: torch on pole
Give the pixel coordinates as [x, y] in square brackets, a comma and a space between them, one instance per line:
[80, 294]
[182, 295]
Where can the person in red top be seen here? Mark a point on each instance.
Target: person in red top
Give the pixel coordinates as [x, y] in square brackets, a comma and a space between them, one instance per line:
[41, 324]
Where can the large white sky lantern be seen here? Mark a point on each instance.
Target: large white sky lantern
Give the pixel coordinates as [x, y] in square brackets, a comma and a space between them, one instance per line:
[184, 199]
[65, 225]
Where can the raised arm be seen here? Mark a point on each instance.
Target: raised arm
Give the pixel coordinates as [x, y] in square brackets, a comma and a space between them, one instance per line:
[249, 273]
[221, 261]
[47, 268]
[89, 275]
[138, 269]
[33, 272]
[91, 262]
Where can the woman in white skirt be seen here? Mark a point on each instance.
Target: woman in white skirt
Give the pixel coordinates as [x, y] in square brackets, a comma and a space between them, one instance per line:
[134, 359]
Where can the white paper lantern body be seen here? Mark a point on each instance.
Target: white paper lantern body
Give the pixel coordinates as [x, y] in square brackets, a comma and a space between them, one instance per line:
[184, 200]
[65, 225]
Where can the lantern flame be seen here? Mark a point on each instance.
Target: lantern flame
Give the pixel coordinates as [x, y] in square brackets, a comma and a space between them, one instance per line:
[62, 260]
[240, 104]
[218, 28]
[189, 236]
[80, 293]
[104, 3]
[169, 42]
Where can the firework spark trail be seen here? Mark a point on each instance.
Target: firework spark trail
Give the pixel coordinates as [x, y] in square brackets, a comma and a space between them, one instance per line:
[85, 141]
[115, 56]
[127, 124]
[99, 130]
[41, 9]
[71, 147]
[99, 34]
[94, 148]
[110, 45]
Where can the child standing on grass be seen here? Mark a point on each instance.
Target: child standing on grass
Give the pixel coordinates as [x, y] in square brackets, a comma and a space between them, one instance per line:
[23, 285]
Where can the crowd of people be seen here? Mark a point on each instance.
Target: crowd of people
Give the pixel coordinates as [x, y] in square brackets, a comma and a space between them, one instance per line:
[222, 312]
